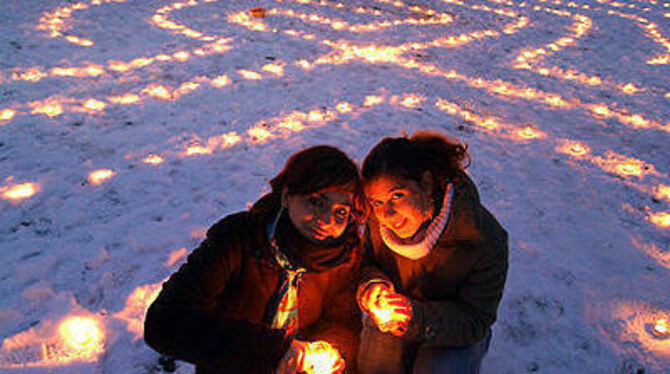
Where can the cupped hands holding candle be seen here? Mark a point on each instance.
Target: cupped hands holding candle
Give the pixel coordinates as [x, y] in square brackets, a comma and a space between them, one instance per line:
[311, 358]
[390, 311]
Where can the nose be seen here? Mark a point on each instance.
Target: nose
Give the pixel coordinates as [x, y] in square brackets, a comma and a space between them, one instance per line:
[388, 210]
[325, 217]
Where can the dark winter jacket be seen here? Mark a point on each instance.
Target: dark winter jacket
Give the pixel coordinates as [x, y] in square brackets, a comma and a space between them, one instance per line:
[215, 311]
[455, 290]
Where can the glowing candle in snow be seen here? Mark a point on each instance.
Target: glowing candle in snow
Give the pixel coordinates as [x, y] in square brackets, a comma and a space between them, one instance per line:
[94, 105]
[661, 328]
[153, 160]
[529, 133]
[99, 176]
[80, 333]
[7, 114]
[660, 219]
[20, 191]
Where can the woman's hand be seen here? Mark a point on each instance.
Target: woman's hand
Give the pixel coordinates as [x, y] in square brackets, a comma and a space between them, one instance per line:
[292, 361]
[400, 309]
[390, 311]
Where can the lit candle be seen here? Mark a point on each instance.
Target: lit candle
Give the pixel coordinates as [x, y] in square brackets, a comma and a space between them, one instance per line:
[661, 328]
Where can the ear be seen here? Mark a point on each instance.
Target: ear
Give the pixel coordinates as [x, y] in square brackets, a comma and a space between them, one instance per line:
[284, 197]
[427, 182]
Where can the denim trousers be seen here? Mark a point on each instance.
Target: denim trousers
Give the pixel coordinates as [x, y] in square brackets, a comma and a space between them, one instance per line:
[383, 353]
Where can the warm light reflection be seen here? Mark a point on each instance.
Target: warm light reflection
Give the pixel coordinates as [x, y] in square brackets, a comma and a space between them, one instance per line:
[276, 69]
[19, 192]
[176, 256]
[153, 160]
[574, 149]
[124, 99]
[660, 219]
[220, 81]
[100, 176]
[663, 192]
[529, 132]
[157, 91]
[320, 358]
[82, 334]
[94, 105]
[373, 100]
[623, 165]
[344, 107]
[135, 310]
[250, 75]
[661, 327]
[7, 114]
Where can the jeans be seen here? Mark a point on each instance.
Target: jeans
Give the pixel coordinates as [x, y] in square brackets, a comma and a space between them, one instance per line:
[383, 353]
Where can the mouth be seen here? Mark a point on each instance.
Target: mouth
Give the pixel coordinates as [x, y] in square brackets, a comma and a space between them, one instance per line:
[318, 232]
[398, 225]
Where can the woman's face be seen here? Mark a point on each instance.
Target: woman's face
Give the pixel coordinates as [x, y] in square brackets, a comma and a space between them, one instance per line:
[401, 205]
[320, 216]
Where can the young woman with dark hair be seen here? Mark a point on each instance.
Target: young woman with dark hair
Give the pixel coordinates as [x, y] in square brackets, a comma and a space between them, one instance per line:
[267, 284]
[435, 263]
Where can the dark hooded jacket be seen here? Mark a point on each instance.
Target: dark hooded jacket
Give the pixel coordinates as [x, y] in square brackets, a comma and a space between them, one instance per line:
[216, 310]
[455, 290]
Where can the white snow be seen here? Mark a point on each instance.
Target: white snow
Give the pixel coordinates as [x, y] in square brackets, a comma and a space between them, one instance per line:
[588, 224]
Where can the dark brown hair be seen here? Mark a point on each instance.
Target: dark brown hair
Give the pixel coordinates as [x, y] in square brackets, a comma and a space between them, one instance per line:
[410, 157]
[318, 168]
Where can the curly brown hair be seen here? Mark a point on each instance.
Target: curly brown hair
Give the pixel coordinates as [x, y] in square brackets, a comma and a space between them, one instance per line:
[410, 157]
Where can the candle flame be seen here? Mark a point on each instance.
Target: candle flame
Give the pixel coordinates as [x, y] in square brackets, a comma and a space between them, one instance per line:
[94, 105]
[153, 160]
[661, 327]
[220, 81]
[19, 191]
[98, 177]
[344, 107]
[7, 114]
[320, 358]
[250, 75]
[660, 219]
[81, 333]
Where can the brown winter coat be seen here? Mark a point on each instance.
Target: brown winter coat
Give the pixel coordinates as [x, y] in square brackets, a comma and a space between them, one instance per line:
[214, 311]
[455, 290]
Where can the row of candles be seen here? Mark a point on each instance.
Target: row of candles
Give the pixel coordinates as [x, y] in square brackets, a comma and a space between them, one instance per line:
[297, 121]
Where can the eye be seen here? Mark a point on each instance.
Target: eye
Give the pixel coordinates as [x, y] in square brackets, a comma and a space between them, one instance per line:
[315, 201]
[376, 203]
[341, 214]
[397, 195]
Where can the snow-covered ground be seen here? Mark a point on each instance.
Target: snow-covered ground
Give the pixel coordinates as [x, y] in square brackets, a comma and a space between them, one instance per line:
[186, 109]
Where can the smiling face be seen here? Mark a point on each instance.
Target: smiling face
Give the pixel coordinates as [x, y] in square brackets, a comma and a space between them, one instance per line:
[401, 205]
[320, 216]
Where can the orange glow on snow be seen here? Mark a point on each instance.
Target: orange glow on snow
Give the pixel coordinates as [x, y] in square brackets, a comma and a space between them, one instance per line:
[19, 192]
[94, 105]
[136, 307]
[153, 160]
[661, 327]
[176, 256]
[660, 219]
[7, 114]
[663, 192]
[529, 132]
[50, 108]
[575, 149]
[259, 134]
[344, 107]
[124, 99]
[276, 69]
[82, 334]
[100, 176]
[373, 100]
[250, 75]
[157, 91]
[220, 81]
